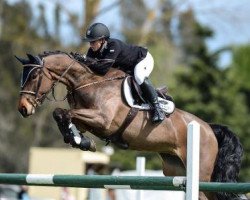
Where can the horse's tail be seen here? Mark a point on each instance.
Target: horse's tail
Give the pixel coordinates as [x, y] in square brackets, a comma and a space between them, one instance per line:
[228, 162]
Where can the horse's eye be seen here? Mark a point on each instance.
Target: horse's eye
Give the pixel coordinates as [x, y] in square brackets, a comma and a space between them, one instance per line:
[33, 76]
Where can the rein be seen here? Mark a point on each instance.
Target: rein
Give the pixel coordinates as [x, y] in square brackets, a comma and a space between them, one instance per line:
[58, 80]
[98, 82]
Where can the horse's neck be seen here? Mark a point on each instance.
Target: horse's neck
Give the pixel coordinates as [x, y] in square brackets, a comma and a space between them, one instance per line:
[97, 89]
[69, 71]
[73, 74]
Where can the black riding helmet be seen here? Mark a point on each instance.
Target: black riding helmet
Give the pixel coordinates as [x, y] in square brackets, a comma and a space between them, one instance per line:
[95, 32]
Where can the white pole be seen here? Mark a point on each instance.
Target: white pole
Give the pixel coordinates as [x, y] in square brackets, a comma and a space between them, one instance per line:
[140, 170]
[193, 161]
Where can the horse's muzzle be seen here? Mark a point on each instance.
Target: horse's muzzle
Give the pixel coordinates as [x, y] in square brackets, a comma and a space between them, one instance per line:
[25, 107]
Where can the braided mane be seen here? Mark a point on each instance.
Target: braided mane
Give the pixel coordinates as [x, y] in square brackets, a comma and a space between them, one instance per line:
[71, 55]
[48, 53]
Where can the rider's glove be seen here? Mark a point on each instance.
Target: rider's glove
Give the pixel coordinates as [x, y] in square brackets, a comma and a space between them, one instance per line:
[79, 57]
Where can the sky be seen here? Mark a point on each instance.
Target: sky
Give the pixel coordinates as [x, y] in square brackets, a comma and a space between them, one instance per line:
[229, 19]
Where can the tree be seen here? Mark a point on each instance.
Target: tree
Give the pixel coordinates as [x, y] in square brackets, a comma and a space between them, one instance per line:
[239, 93]
[17, 37]
[198, 79]
[206, 90]
[241, 69]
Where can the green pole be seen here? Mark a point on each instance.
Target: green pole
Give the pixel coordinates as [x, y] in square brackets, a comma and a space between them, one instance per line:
[117, 182]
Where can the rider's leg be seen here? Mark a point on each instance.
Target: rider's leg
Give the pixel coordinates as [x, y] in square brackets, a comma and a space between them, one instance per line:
[70, 133]
[141, 72]
[151, 95]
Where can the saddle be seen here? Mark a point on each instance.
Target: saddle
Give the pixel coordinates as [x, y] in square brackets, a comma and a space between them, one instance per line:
[132, 94]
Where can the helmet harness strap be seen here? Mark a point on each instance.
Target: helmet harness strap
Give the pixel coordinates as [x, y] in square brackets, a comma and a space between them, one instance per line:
[103, 46]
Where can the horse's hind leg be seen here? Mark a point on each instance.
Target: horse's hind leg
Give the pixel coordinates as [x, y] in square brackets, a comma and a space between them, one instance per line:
[172, 165]
[70, 132]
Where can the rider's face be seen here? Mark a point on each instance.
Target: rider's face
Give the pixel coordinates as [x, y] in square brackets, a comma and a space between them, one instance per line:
[95, 45]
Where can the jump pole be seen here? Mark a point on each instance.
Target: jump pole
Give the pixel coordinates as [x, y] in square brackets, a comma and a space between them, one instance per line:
[193, 161]
[140, 171]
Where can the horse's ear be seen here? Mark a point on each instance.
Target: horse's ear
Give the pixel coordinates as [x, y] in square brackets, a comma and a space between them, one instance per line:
[34, 59]
[22, 60]
[31, 58]
[39, 61]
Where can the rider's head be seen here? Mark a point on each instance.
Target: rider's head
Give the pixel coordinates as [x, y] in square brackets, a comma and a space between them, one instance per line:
[96, 35]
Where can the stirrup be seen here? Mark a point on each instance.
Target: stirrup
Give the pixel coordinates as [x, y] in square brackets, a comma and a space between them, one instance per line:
[158, 120]
[158, 116]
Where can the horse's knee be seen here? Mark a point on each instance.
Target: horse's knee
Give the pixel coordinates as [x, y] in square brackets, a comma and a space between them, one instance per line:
[62, 118]
[61, 115]
[172, 165]
[58, 114]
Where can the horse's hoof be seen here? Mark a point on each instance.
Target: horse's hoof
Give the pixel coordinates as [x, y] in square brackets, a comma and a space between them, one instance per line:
[85, 143]
[121, 144]
[92, 146]
[66, 139]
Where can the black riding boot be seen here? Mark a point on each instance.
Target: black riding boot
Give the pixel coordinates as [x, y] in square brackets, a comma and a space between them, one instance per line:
[151, 96]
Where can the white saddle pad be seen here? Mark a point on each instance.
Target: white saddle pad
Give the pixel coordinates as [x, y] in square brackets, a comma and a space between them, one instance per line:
[167, 106]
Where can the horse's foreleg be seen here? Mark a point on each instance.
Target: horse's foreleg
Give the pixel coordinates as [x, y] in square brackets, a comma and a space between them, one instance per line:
[63, 120]
[93, 118]
[70, 133]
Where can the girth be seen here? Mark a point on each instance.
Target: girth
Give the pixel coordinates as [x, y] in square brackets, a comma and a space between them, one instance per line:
[116, 138]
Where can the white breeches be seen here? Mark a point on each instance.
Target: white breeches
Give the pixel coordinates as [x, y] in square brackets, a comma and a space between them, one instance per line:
[144, 68]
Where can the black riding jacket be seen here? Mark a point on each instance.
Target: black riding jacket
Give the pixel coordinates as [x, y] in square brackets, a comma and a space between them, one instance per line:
[124, 56]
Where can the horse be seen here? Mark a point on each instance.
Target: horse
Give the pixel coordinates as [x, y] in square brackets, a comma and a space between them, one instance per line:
[97, 105]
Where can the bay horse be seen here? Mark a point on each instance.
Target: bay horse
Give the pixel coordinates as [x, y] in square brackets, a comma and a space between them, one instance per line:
[96, 105]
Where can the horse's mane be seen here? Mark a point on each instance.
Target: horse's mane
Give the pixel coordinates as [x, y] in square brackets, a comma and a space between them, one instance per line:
[75, 56]
[78, 57]
[48, 53]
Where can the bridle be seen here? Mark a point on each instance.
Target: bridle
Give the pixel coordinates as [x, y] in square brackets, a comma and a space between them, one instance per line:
[40, 99]
[34, 67]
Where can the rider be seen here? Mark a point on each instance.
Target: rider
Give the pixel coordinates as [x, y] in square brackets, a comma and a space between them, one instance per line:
[131, 59]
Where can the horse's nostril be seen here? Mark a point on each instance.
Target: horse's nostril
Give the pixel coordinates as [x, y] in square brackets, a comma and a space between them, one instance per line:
[23, 111]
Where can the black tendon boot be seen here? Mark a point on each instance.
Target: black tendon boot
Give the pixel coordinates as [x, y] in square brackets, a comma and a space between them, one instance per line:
[79, 141]
[70, 133]
[151, 96]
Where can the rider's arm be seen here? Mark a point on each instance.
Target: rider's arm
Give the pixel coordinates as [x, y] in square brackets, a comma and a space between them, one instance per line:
[101, 66]
[110, 54]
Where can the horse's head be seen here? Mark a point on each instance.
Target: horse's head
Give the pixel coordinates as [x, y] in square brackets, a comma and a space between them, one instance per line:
[35, 83]
[42, 73]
